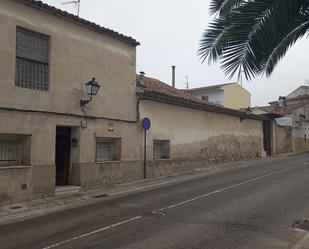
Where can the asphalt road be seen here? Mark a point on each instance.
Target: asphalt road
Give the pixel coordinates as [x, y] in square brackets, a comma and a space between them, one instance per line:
[246, 208]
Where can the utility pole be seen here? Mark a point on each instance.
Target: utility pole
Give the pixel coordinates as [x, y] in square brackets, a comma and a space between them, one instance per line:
[77, 4]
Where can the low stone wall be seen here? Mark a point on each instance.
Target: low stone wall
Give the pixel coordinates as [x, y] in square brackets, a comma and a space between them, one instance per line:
[107, 173]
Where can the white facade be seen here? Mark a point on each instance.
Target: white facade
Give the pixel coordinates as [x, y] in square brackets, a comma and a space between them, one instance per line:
[215, 96]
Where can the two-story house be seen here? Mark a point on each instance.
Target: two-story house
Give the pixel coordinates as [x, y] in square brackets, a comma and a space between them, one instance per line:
[230, 95]
[48, 137]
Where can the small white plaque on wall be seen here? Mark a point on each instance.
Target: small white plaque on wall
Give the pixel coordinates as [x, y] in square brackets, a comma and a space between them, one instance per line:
[83, 123]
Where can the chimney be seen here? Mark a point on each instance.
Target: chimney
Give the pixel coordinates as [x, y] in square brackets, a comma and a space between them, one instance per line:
[140, 78]
[173, 76]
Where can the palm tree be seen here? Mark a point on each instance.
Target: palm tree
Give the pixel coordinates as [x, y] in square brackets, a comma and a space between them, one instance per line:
[251, 36]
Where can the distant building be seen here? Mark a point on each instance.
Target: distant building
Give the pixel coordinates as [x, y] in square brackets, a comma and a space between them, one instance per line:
[302, 90]
[294, 109]
[230, 95]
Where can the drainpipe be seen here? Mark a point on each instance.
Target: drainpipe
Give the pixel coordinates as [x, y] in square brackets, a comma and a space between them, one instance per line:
[173, 76]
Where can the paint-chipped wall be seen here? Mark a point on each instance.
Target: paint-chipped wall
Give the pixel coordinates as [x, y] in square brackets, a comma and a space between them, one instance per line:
[197, 138]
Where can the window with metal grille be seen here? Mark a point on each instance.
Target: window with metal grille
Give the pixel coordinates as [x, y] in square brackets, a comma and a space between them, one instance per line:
[108, 149]
[161, 149]
[14, 150]
[32, 60]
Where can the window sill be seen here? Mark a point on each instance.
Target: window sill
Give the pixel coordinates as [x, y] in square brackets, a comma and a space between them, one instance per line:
[31, 89]
[168, 159]
[107, 162]
[13, 167]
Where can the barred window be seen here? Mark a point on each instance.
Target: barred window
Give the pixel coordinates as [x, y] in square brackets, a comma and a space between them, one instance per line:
[108, 149]
[32, 60]
[161, 149]
[14, 150]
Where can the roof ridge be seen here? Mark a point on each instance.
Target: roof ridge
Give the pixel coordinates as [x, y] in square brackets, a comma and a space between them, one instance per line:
[211, 86]
[153, 90]
[74, 18]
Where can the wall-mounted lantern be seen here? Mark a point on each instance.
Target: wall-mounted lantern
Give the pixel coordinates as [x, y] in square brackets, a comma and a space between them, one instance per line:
[92, 88]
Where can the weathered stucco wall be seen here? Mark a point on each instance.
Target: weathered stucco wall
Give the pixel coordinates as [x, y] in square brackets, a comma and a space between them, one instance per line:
[11, 181]
[300, 139]
[283, 139]
[39, 175]
[197, 138]
[109, 173]
[76, 55]
[127, 169]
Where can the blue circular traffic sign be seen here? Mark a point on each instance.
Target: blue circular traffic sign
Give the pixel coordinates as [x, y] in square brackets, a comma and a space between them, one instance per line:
[146, 123]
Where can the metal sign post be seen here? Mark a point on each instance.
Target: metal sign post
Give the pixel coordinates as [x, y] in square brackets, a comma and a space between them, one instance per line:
[146, 124]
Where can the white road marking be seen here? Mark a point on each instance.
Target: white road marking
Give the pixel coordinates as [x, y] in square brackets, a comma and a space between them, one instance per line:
[92, 233]
[229, 187]
[172, 206]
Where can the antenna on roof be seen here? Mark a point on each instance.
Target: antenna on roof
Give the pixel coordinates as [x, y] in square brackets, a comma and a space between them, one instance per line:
[187, 81]
[77, 4]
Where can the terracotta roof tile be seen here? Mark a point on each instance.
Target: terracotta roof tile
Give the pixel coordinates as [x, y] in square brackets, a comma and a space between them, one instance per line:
[158, 86]
[159, 91]
[284, 111]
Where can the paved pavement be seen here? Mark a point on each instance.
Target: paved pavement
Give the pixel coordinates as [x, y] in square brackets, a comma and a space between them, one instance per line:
[245, 208]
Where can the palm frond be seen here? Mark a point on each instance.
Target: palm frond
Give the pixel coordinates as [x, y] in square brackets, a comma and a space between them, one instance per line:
[253, 35]
[282, 47]
[223, 7]
[212, 44]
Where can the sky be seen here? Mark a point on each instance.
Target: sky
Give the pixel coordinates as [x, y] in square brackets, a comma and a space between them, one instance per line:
[169, 32]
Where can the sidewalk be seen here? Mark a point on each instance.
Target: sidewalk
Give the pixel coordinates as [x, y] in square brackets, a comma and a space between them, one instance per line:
[303, 243]
[36, 208]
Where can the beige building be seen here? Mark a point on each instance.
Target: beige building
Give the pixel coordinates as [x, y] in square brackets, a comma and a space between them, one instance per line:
[188, 133]
[46, 137]
[53, 134]
[230, 95]
[294, 109]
